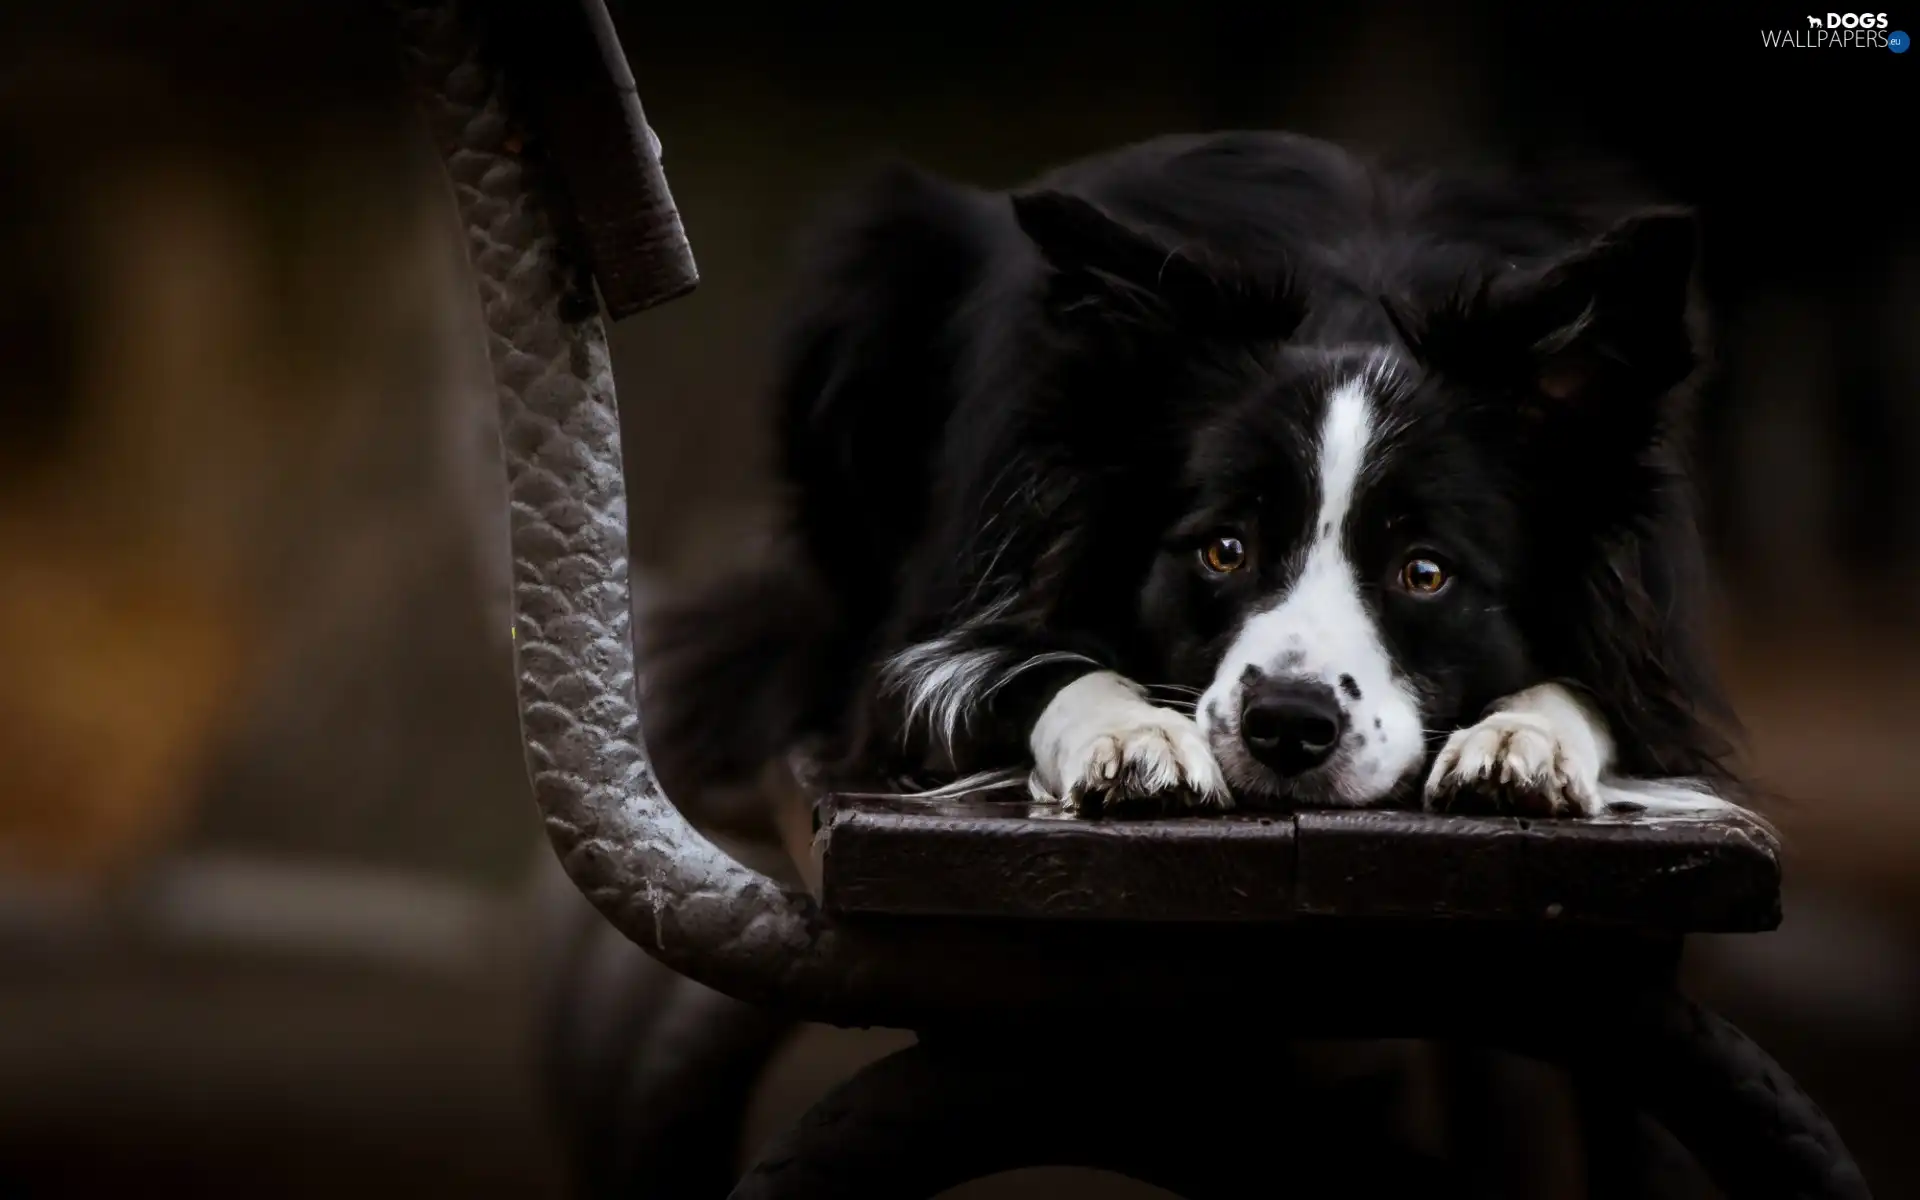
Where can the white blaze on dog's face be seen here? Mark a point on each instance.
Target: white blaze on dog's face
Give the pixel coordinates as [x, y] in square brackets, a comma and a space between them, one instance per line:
[1308, 681]
[1336, 593]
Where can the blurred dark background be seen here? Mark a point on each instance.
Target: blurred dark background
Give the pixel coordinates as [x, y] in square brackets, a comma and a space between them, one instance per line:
[271, 911]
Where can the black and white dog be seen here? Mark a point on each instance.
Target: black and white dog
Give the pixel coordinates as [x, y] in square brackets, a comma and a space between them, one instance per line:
[1227, 469]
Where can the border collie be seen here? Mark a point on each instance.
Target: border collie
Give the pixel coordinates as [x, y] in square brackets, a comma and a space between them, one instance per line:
[1229, 469]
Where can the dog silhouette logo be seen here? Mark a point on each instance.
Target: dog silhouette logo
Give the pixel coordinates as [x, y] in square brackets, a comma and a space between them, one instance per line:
[1813, 22]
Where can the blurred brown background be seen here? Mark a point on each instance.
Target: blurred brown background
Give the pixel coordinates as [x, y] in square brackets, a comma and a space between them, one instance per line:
[268, 915]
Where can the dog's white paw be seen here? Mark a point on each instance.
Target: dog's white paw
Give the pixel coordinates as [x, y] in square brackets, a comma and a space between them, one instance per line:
[1517, 762]
[1100, 745]
[1161, 758]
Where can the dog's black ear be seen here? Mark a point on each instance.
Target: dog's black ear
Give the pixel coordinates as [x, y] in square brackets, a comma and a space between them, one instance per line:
[1102, 270]
[1609, 324]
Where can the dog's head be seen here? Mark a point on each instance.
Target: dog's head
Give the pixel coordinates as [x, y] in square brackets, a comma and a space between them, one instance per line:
[1371, 540]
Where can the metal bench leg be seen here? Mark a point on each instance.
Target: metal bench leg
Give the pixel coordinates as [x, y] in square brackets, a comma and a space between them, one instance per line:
[655, 1105]
[1752, 1129]
[1214, 1123]
[924, 1120]
[649, 1074]
[1627, 1155]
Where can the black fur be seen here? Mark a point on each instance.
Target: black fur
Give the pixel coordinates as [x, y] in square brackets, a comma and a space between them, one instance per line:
[1008, 420]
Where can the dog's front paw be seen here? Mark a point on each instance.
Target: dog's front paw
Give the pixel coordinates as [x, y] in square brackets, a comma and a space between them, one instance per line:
[1101, 747]
[1516, 762]
[1161, 760]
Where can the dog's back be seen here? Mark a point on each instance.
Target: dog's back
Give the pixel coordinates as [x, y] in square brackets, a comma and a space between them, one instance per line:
[754, 662]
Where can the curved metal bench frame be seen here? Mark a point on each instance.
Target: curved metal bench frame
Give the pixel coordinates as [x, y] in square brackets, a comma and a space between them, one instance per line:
[499, 80]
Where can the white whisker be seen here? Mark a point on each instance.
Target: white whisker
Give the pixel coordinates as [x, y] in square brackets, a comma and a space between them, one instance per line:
[1038, 660]
[980, 781]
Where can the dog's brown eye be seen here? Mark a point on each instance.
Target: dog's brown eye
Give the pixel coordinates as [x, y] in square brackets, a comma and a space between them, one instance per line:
[1223, 555]
[1423, 576]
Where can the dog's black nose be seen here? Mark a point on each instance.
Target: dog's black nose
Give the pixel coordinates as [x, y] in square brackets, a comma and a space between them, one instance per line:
[1291, 726]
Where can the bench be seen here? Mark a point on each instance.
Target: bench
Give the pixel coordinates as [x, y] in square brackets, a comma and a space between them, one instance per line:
[1095, 993]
